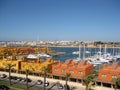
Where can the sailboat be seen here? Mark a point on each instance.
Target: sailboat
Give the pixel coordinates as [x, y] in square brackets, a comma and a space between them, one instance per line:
[44, 55]
[101, 58]
[79, 57]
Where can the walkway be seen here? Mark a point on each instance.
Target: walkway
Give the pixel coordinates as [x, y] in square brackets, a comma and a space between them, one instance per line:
[78, 86]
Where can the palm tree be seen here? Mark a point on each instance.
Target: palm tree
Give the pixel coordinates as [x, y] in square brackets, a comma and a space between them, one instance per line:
[88, 80]
[44, 69]
[116, 82]
[27, 72]
[91, 85]
[67, 76]
[9, 66]
[33, 71]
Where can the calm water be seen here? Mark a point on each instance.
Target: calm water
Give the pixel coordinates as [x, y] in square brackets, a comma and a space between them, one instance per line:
[68, 52]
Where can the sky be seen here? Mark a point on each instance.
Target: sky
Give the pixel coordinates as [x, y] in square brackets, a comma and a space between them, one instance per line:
[50, 20]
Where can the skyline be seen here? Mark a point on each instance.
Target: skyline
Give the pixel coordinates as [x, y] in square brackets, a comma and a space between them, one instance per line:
[94, 20]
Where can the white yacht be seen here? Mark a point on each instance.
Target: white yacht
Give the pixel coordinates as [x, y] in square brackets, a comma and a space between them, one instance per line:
[43, 55]
[32, 56]
[75, 52]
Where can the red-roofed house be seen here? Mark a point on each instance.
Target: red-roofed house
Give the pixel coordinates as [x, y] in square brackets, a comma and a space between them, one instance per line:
[77, 69]
[109, 72]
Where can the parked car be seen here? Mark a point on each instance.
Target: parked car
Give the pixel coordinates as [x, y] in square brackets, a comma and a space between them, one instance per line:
[13, 78]
[4, 87]
[3, 75]
[23, 80]
[46, 83]
[39, 82]
[29, 80]
[68, 87]
[60, 86]
[19, 78]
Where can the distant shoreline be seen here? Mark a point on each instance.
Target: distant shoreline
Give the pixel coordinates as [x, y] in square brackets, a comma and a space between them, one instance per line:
[78, 47]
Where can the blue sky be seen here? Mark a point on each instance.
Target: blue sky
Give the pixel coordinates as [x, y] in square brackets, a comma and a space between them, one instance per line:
[82, 20]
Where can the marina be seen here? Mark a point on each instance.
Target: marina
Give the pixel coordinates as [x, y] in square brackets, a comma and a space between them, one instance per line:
[59, 45]
[93, 51]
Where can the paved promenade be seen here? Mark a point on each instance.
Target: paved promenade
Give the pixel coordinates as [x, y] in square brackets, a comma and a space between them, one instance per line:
[78, 86]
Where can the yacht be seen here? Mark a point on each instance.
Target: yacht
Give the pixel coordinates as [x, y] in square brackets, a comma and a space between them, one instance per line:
[43, 55]
[32, 56]
[75, 52]
[35, 56]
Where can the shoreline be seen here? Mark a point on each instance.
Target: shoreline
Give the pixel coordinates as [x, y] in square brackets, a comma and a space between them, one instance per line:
[76, 47]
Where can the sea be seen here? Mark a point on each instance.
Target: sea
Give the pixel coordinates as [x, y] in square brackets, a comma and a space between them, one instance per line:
[92, 51]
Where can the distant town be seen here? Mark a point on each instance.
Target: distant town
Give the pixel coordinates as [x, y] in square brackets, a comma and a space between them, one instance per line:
[93, 44]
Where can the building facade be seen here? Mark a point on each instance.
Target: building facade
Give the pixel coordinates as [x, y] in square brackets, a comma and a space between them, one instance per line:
[36, 65]
[22, 64]
[109, 72]
[76, 69]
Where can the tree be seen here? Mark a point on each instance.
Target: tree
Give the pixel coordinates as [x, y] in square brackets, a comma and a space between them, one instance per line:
[91, 85]
[116, 82]
[94, 74]
[27, 72]
[66, 80]
[7, 52]
[88, 80]
[44, 69]
[9, 66]
[33, 70]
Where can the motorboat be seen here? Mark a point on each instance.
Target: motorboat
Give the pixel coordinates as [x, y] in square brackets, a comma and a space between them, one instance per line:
[44, 55]
[76, 59]
[35, 56]
[75, 52]
[32, 56]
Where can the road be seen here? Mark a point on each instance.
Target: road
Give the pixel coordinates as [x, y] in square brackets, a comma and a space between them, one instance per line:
[78, 86]
[52, 86]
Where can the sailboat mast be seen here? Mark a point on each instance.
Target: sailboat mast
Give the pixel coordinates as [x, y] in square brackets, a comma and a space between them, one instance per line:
[84, 51]
[37, 44]
[46, 47]
[100, 50]
[118, 49]
[105, 51]
[79, 51]
[113, 50]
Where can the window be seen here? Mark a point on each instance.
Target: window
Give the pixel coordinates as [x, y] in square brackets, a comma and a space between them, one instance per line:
[56, 69]
[71, 71]
[14, 65]
[63, 70]
[80, 72]
[23, 66]
[104, 75]
[3, 64]
[36, 68]
[30, 67]
[114, 77]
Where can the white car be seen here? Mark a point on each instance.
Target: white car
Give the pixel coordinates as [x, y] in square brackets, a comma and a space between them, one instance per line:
[46, 83]
[60, 86]
[3, 75]
[39, 82]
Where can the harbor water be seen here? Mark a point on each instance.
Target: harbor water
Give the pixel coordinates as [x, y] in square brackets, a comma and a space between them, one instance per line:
[92, 51]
